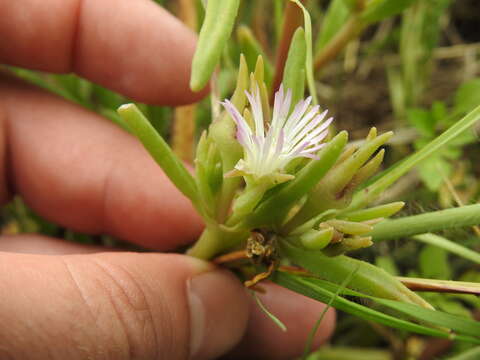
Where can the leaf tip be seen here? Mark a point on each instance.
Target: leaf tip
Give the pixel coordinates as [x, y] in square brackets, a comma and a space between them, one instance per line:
[125, 107]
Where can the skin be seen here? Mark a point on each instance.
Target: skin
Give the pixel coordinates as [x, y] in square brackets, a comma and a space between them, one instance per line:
[68, 301]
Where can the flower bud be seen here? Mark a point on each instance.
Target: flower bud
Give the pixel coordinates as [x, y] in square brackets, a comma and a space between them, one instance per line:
[317, 239]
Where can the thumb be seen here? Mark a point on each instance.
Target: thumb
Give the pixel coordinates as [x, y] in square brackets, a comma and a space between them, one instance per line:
[117, 306]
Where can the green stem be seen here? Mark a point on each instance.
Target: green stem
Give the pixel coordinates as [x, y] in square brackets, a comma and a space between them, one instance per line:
[434, 221]
[215, 240]
[206, 246]
[230, 186]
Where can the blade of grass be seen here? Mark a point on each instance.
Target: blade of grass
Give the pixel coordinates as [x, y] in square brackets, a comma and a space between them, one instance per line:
[272, 317]
[449, 245]
[460, 324]
[343, 285]
[314, 291]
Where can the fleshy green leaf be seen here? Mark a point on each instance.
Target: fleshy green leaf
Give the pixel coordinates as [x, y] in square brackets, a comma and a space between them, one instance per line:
[294, 71]
[216, 29]
[368, 278]
[307, 23]
[160, 151]
[468, 215]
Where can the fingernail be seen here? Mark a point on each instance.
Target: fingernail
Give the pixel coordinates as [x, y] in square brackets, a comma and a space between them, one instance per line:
[218, 313]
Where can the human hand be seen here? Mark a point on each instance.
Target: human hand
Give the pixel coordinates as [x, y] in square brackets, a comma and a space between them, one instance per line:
[68, 301]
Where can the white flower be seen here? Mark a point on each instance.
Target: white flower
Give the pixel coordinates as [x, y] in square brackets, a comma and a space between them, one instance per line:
[268, 152]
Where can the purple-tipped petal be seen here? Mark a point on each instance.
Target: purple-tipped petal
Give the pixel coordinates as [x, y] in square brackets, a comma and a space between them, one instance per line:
[319, 137]
[314, 133]
[310, 156]
[315, 148]
[232, 110]
[244, 132]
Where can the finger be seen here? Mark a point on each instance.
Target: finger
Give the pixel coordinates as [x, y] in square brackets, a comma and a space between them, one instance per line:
[79, 170]
[117, 306]
[133, 47]
[44, 245]
[265, 340]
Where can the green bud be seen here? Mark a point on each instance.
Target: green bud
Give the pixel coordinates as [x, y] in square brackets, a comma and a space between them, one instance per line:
[247, 201]
[208, 166]
[350, 227]
[238, 98]
[317, 239]
[345, 172]
[257, 79]
[348, 244]
[367, 170]
[203, 173]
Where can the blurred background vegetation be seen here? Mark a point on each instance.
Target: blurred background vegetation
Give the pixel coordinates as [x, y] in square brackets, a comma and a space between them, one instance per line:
[415, 71]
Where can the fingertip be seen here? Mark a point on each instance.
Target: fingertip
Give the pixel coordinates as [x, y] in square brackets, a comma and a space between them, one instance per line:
[142, 51]
[218, 313]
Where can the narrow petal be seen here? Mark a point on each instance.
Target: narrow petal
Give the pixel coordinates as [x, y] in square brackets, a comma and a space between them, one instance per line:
[257, 112]
[321, 129]
[244, 133]
[297, 113]
[305, 125]
[277, 105]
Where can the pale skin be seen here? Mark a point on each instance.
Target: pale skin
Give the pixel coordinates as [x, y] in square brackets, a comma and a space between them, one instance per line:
[62, 300]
